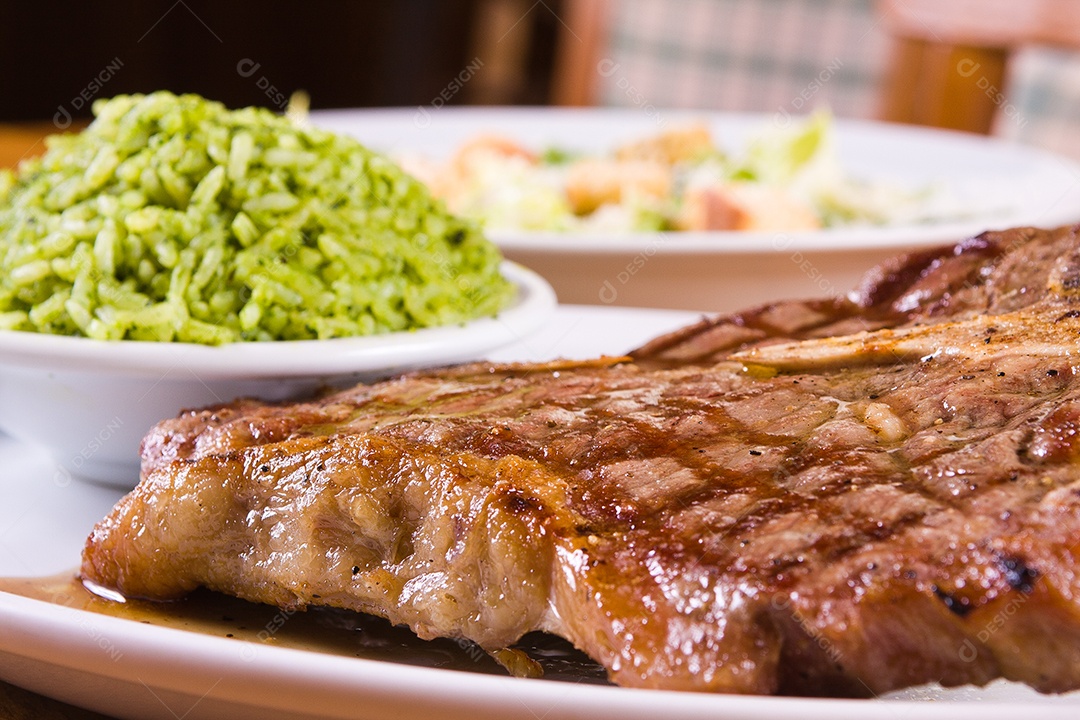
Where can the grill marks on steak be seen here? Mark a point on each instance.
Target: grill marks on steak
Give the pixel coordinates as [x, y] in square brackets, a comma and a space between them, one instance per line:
[751, 505]
[985, 275]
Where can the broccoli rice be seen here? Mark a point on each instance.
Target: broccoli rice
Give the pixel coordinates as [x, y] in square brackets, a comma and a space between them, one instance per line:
[172, 218]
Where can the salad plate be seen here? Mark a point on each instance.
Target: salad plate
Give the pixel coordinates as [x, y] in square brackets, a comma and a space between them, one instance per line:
[132, 669]
[965, 184]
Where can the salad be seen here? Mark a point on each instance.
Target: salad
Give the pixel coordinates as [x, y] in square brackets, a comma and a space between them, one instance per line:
[785, 179]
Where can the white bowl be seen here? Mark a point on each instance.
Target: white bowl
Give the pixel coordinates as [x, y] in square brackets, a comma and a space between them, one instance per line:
[90, 402]
[980, 183]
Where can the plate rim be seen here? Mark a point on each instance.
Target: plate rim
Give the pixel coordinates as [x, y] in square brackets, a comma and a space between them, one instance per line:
[336, 680]
[533, 305]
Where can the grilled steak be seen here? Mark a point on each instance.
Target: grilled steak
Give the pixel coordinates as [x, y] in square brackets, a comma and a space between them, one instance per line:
[839, 498]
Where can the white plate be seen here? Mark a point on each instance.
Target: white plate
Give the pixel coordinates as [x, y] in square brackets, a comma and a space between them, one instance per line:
[249, 360]
[90, 402]
[1000, 184]
[132, 670]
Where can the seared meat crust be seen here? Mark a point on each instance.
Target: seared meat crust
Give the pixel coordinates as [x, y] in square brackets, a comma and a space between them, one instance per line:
[841, 497]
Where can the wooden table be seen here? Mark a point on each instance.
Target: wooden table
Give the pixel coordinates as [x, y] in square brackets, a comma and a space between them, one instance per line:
[22, 140]
[19, 141]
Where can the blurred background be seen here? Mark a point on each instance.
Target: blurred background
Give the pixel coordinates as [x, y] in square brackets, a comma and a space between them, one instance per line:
[1007, 68]
[345, 54]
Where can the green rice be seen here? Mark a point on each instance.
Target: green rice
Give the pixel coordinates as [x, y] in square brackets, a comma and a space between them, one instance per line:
[172, 218]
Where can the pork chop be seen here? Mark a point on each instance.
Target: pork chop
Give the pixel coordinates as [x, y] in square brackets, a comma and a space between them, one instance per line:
[830, 498]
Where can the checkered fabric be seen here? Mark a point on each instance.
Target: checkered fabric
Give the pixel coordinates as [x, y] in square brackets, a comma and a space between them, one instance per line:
[796, 55]
[756, 55]
[1043, 100]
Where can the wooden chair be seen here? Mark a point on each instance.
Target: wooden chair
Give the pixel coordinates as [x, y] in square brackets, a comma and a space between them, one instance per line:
[949, 57]
[580, 46]
[947, 66]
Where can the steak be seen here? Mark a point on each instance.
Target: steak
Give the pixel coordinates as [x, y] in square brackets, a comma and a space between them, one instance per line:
[837, 497]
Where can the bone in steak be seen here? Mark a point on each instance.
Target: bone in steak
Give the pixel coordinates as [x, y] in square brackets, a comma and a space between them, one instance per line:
[837, 497]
